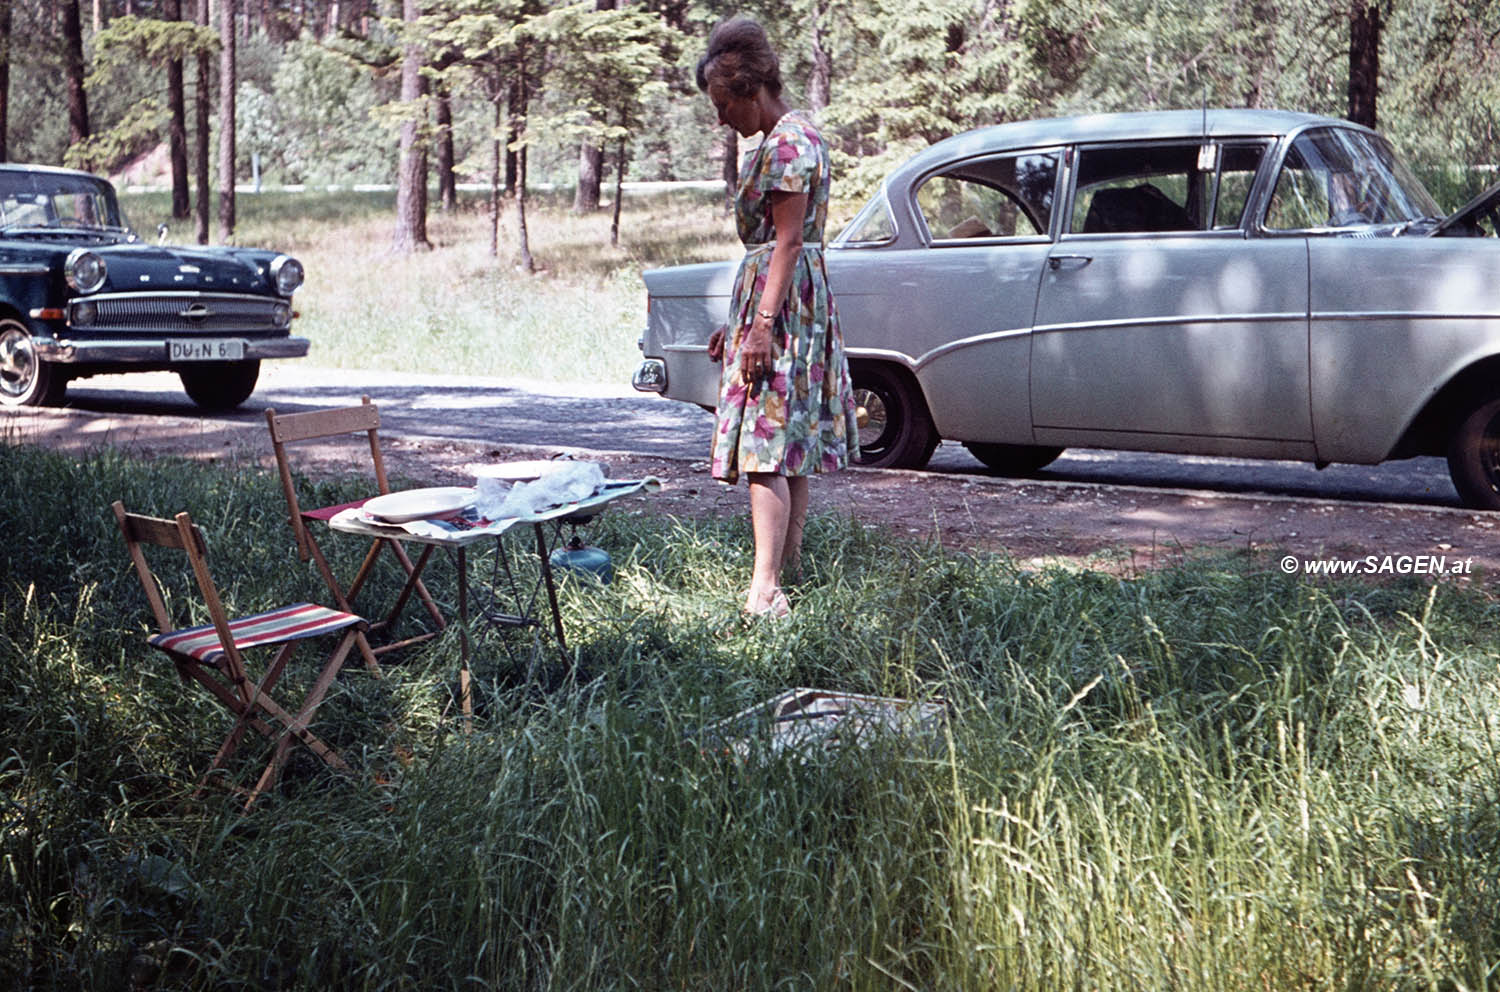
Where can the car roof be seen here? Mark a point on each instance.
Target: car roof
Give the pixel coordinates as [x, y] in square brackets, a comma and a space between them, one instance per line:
[54, 169]
[1133, 126]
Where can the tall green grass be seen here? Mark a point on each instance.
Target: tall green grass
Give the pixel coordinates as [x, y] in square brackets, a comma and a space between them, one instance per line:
[1211, 777]
[459, 309]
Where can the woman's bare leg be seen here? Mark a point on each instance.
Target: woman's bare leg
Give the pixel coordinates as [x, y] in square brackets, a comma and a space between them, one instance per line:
[770, 514]
[791, 551]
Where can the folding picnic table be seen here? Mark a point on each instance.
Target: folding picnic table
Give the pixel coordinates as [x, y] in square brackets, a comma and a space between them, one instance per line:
[458, 532]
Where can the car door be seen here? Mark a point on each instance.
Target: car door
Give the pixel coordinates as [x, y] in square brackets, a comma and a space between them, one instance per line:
[1160, 323]
[957, 307]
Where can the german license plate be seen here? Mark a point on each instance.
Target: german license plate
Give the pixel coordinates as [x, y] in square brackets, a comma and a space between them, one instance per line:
[206, 350]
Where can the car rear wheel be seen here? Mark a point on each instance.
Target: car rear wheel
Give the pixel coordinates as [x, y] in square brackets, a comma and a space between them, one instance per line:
[26, 380]
[894, 429]
[1013, 459]
[1474, 456]
[220, 385]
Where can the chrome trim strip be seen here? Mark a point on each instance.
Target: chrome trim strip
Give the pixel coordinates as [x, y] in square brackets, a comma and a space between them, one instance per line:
[1104, 325]
[24, 270]
[1400, 315]
[942, 350]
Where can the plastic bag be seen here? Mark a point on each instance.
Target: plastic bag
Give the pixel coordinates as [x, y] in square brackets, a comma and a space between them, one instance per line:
[568, 484]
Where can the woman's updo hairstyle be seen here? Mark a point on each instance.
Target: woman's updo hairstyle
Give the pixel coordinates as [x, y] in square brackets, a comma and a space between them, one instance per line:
[739, 55]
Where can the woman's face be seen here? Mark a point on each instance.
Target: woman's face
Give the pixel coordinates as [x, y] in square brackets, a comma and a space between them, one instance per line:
[740, 112]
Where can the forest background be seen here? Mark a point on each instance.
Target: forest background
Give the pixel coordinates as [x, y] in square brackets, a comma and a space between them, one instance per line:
[427, 94]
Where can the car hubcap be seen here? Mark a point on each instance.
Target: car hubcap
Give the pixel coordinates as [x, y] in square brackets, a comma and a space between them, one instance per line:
[1489, 454]
[874, 421]
[17, 362]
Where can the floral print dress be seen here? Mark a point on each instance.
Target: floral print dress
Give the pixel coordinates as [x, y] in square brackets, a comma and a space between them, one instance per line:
[801, 419]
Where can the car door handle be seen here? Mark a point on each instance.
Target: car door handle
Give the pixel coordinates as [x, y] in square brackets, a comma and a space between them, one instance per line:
[1056, 262]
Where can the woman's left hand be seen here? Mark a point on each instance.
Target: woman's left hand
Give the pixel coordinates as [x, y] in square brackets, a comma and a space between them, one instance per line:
[756, 360]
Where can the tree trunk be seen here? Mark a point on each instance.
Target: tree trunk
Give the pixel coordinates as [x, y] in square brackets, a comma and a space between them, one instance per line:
[496, 164]
[518, 127]
[590, 175]
[177, 124]
[511, 101]
[411, 186]
[1365, 25]
[5, 22]
[528, 264]
[202, 138]
[820, 76]
[614, 224]
[228, 73]
[447, 180]
[75, 70]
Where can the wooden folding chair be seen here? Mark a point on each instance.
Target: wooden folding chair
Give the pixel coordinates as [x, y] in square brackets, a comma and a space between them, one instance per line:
[318, 424]
[213, 653]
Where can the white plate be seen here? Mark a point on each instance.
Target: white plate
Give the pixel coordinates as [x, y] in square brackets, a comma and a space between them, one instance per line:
[519, 471]
[419, 504]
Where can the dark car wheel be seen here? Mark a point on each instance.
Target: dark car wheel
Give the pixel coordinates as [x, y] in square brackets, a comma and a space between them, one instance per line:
[219, 385]
[894, 429]
[1013, 459]
[1474, 457]
[26, 380]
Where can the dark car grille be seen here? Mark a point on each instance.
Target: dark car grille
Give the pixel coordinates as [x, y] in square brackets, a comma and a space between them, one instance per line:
[185, 313]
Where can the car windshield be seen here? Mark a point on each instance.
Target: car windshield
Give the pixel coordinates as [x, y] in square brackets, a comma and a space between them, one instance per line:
[57, 200]
[1339, 177]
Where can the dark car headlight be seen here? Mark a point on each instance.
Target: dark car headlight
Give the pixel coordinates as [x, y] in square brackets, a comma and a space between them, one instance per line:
[286, 274]
[84, 270]
[83, 313]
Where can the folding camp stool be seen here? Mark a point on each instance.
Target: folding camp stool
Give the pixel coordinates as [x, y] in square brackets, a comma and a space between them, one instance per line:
[319, 424]
[213, 653]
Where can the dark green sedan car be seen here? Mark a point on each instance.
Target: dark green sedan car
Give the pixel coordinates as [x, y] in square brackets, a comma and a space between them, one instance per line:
[81, 295]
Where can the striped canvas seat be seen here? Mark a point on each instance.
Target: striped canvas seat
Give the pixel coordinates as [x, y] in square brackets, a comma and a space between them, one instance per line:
[288, 623]
[214, 654]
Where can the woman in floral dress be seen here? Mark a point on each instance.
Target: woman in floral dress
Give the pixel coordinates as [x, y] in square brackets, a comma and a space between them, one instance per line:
[786, 407]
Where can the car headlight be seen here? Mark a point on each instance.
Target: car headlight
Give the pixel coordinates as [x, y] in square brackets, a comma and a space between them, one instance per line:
[83, 314]
[84, 270]
[286, 274]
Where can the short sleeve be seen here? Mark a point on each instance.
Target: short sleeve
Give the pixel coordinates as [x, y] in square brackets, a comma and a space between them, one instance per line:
[791, 162]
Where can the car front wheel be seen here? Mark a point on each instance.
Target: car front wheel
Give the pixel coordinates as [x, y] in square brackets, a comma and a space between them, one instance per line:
[1013, 459]
[219, 385]
[26, 380]
[1474, 456]
[894, 428]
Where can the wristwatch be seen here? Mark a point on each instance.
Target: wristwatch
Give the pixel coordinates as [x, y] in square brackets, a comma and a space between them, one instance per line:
[766, 314]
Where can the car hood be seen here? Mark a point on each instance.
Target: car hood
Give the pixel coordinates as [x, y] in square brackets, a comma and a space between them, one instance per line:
[164, 267]
[135, 267]
[1465, 219]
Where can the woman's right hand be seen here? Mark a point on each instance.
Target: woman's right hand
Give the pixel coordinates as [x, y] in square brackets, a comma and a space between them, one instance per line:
[716, 345]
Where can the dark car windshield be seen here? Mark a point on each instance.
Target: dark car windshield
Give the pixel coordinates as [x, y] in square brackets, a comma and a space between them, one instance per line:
[1340, 177]
[57, 200]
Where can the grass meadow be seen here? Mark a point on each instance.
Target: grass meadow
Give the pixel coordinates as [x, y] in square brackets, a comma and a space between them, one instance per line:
[457, 308]
[1211, 777]
[1206, 778]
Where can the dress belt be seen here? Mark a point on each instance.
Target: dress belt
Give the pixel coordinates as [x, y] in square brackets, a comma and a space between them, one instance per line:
[764, 246]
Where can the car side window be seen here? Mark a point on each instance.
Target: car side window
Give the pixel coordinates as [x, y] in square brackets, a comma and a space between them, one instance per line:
[1009, 196]
[872, 225]
[1181, 186]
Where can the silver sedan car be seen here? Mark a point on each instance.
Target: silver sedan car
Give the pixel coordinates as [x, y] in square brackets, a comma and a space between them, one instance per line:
[1248, 283]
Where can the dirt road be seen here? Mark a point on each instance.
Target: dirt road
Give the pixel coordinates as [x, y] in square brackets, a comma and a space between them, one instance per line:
[1105, 526]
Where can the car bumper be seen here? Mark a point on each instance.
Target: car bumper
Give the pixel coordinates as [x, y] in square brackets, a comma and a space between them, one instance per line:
[152, 350]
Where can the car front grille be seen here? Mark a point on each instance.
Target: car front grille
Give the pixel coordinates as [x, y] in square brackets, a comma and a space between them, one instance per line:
[181, 313]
